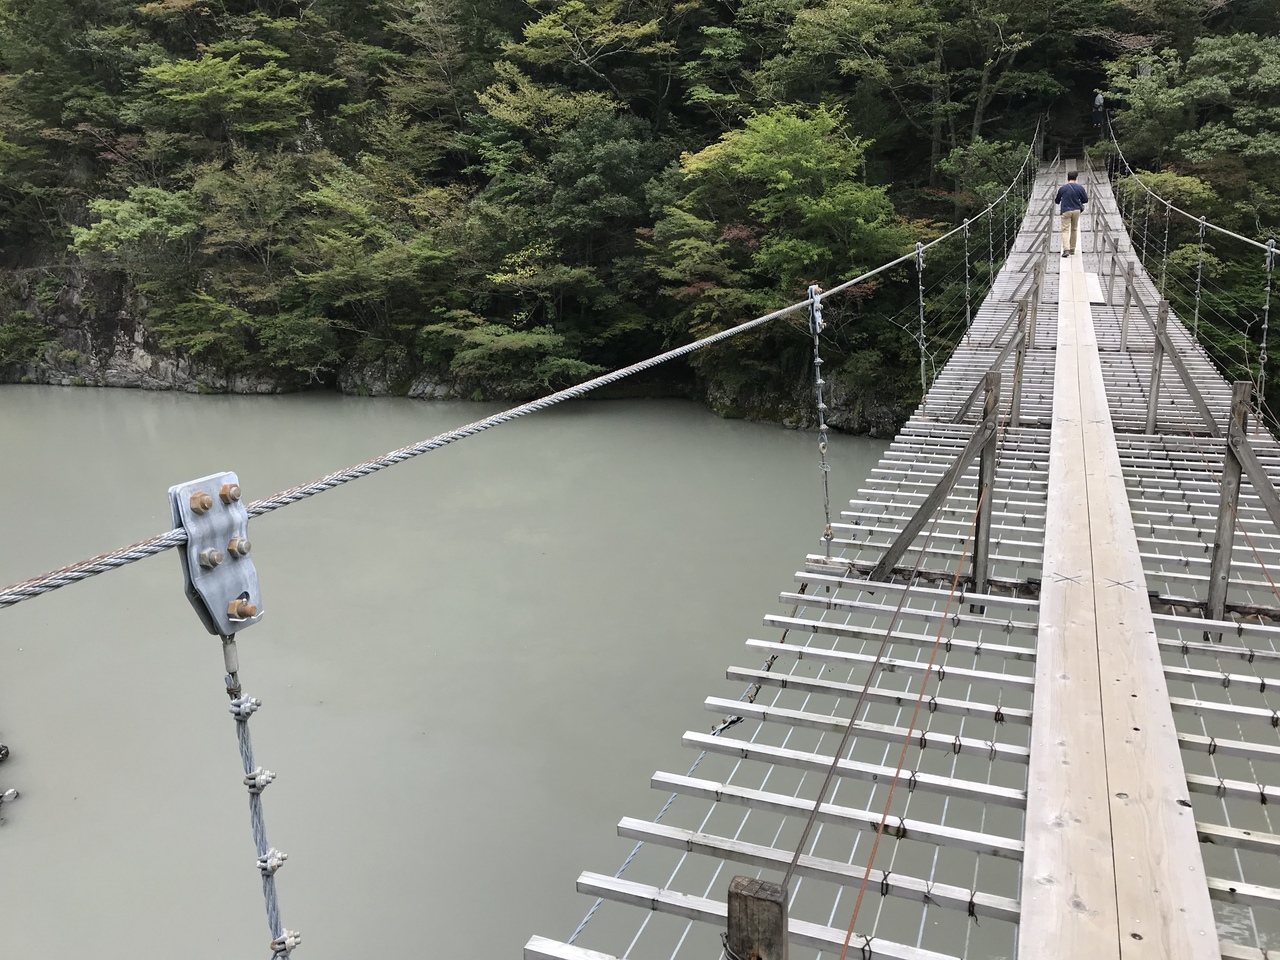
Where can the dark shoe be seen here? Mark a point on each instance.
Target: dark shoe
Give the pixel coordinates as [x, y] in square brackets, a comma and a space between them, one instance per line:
[1065, 254]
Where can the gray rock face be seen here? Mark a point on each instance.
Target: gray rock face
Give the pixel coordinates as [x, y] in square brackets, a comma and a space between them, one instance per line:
[100, 342]
[847, 410]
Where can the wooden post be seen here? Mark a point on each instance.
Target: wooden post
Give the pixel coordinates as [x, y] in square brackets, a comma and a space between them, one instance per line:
[1037, 294]
[987, 481]
[1157, 363]
[1111, 279]
[1228, 499]
[1015, 404]
[757, 920]
[996, 365]
[936, 497]
[1128, 299]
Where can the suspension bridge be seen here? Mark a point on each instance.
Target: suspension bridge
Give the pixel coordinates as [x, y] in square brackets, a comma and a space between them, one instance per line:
[1018, 702]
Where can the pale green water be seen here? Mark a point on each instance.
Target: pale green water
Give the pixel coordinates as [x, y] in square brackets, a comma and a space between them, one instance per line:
[470, 665]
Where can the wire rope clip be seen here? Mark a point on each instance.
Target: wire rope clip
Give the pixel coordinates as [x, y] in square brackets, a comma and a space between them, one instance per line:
[286, 943]
[221, 580]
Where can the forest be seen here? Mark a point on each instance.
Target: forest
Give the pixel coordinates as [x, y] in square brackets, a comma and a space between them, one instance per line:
[506, 197]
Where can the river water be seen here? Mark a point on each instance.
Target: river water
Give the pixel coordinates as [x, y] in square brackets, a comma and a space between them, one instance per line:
[470, 664]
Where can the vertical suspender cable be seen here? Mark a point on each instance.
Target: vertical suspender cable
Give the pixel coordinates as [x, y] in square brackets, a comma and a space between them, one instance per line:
[991, 248]
[968, 287]
[924, 386]
[815, 327]
[1195, 323]
[1164, 257]
[1269, 262]
[1146, 227]
[1004, 225]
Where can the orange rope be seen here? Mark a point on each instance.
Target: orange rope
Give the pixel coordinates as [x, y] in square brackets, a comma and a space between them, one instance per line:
[906, 742]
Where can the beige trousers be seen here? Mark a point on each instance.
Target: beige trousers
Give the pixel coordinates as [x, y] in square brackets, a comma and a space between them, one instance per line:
[1070, 230]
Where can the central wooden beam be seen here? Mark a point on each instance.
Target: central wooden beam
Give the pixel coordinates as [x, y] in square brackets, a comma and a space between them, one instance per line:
[1112, 867]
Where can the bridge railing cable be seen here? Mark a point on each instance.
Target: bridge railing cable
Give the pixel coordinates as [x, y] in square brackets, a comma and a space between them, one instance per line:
[1222, 293]
[1168, 205]
[106, 562]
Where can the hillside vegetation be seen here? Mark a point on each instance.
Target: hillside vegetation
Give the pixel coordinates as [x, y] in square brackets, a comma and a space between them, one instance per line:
[510, 196]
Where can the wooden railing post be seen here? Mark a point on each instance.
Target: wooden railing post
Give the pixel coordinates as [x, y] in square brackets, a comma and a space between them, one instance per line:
[1157, 364]
[980, 442]
[1020, 355]
[1037, 291]
[1228, 500]
[1128, 300]
[1111, 279]
[986, 485]
[757, 920]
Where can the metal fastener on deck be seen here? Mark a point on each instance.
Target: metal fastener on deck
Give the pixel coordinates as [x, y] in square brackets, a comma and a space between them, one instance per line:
[229, 493]
[239, 547]
[201, 502]
[241, 609]
[210, 558]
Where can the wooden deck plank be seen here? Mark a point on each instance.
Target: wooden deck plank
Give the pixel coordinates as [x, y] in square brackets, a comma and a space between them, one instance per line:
[1068, 888]
[1108, 829]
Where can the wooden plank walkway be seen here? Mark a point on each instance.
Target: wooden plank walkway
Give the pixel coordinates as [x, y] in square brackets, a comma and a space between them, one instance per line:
[1112, 864]
[1087, 748]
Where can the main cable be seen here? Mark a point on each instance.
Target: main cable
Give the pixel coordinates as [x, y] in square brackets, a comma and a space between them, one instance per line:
[103, 563]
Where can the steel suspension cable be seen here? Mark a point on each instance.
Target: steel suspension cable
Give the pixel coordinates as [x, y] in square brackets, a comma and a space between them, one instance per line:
[1176, 209]
[103, 563]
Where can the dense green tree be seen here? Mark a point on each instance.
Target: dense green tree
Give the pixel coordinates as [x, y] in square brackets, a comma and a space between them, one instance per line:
[509, 195]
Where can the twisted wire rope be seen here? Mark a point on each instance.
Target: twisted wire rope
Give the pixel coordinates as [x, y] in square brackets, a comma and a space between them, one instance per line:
[1152, 195]
[103, 563]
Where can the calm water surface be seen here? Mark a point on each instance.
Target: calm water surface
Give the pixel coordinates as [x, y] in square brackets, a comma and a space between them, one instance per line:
[470, 665]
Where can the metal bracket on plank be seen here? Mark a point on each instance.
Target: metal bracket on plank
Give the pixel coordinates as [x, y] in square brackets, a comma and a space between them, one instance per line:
[221, 581]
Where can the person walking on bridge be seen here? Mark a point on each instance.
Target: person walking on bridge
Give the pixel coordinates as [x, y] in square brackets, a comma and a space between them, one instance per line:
[1071, 199]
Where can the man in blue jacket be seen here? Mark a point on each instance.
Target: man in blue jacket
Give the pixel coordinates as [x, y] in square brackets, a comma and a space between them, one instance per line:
[1071, 197]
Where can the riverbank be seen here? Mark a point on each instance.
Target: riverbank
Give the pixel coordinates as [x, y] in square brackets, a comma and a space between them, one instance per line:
[127, 360]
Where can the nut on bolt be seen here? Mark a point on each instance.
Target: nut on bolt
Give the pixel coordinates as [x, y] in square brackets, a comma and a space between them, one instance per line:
[241, 609]
[239, 547]
[210, 558]
[229, 493]
[201, 502]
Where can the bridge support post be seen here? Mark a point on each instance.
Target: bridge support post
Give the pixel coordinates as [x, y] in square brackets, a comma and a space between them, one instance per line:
[982, 439]
[1111, 278]
[1228, 501]
[987, 478]
[757, 920]
[1157, 364]
[1128, 301]
[1037, 293]
[1020, 356]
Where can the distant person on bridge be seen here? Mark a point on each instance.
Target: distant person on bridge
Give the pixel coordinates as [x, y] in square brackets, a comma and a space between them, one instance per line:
[1071, 199]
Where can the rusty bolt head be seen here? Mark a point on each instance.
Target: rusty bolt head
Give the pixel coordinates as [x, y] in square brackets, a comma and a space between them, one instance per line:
[229, 493]
[239, 547]
[241, 609]
[210, 558]
[201, 502]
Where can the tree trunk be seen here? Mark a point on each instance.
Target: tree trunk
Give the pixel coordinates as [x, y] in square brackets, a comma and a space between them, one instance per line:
[935, 138]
